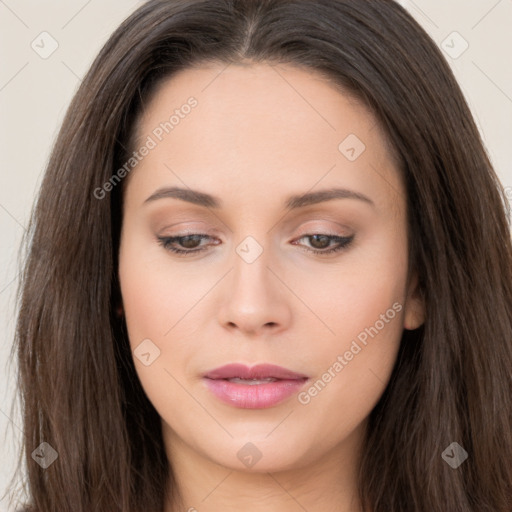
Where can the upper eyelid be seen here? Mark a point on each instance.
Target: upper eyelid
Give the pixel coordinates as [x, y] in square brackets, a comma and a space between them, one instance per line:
[305, 214]
[307, 230]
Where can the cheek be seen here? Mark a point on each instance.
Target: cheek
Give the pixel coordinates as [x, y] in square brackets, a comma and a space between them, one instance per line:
[153, 298]
[154, 307]
[365, 320]
[352, 295]
[364, 309]
[143, 308]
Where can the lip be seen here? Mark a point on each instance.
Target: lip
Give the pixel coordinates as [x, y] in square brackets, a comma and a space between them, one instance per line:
[282, 385]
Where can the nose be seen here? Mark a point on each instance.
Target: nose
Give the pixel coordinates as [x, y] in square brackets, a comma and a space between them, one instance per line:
[254, 299]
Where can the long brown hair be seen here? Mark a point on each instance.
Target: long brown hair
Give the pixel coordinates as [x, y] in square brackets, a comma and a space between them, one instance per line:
[452, 381]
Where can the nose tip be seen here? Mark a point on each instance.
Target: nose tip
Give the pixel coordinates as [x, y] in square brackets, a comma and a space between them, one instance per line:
[254, 299]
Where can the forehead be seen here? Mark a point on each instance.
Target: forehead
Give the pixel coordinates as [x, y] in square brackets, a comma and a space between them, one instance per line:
[263, 96]
[259, 123]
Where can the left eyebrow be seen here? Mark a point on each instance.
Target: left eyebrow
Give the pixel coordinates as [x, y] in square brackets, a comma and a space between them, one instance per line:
[293, 202]
[300, 201]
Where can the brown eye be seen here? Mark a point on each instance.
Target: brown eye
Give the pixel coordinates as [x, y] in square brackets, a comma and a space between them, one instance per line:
[320, 243]
[189, 243]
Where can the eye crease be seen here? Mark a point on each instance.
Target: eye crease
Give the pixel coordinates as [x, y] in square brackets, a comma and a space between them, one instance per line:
[168, 243]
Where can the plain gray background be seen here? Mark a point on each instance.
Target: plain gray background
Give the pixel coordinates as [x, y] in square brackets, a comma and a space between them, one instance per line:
[35, 90]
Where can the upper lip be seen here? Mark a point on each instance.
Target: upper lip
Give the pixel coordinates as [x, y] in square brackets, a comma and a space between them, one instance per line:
[260, 371]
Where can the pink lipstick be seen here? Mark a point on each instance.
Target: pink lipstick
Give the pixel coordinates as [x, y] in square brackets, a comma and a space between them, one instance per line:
[258, 387]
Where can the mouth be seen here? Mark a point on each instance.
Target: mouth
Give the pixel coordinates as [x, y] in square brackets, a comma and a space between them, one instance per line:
[258, 387]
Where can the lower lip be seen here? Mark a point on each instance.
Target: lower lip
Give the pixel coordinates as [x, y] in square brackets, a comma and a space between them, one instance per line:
[253, 396]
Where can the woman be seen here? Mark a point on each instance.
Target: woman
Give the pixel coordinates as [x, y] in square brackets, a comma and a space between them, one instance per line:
[270, 269]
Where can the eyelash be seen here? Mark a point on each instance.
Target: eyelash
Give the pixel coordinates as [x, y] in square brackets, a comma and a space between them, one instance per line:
[166, 241]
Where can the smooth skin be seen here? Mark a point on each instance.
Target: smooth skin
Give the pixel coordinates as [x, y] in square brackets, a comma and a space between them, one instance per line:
[259, 134]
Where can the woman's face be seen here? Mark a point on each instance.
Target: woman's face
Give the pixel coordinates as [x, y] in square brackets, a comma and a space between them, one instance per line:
[257, 153]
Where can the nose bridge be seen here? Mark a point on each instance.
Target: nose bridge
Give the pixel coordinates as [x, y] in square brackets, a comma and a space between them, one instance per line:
[253, 299]
[252, 258]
